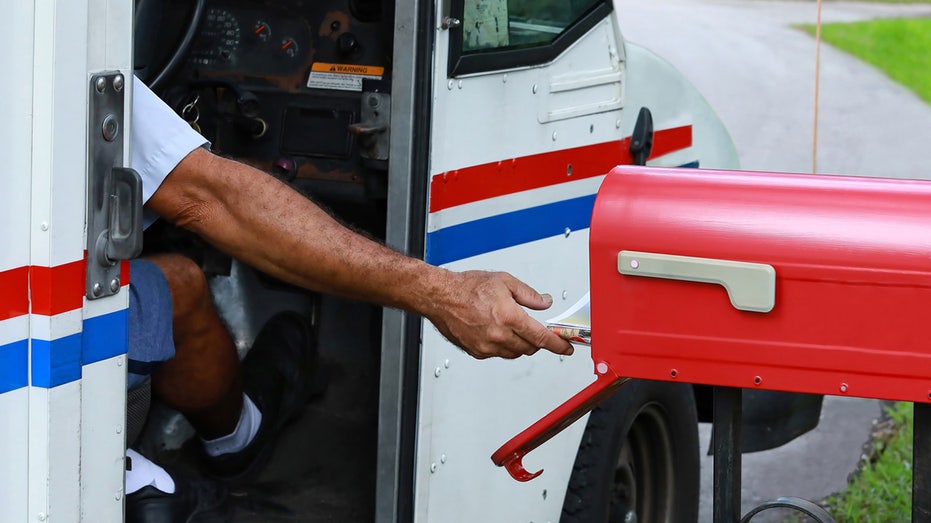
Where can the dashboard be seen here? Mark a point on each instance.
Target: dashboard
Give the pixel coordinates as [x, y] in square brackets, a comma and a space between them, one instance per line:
[278, 84]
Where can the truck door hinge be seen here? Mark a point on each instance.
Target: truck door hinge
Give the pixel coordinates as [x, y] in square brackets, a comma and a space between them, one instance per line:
[114, 192]
[641, 141]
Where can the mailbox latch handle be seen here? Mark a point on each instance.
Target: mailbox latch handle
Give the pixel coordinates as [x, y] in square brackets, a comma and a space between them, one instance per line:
[511, 454]
[750, 286]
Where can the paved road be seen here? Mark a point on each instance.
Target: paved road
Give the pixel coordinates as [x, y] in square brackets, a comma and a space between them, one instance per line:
[758, 73]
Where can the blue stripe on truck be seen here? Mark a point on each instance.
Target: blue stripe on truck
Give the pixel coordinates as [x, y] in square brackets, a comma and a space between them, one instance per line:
[509, 229]
[60, 361]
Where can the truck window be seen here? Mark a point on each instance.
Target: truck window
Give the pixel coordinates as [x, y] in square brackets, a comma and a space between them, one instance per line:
[503, 34]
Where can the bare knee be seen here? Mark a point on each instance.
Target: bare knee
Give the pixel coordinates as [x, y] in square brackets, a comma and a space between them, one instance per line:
[186, 282]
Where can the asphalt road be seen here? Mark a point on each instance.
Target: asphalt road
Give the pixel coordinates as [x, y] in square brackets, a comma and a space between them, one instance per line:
[758, 72]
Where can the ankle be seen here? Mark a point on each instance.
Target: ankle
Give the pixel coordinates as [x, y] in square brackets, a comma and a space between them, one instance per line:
[250, 419]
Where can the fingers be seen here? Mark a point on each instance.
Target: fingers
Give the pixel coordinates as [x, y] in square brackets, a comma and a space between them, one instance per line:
[505, 344]
[525, 295]
[530, 330]
[539, 336]
[526, 336]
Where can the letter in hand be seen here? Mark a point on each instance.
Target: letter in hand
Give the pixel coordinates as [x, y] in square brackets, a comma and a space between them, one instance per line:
[482, 312]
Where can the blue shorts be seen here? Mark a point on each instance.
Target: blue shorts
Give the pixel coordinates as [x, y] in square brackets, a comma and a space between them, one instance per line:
[151, 338]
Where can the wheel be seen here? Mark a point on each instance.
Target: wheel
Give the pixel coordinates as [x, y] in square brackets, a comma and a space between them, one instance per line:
[639, 460]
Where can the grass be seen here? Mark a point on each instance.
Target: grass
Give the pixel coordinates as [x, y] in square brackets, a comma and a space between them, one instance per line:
[881, 491]
[901, 48]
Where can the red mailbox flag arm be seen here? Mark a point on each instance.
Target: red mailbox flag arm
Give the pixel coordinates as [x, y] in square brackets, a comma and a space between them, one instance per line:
[511, 453]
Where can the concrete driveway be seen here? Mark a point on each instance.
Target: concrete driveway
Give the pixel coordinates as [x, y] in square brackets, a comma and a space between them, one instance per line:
[758, 72]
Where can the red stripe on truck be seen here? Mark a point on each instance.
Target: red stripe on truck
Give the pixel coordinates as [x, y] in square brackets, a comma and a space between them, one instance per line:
[480, 182]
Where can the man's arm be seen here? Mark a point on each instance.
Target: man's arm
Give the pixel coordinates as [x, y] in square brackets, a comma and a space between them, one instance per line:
[266, 224]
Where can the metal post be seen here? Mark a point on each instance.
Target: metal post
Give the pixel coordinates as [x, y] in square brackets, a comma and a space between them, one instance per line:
[726, 435]
[921, 471]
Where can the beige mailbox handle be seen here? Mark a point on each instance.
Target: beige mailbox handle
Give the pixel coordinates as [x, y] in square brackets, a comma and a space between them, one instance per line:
[750, 286]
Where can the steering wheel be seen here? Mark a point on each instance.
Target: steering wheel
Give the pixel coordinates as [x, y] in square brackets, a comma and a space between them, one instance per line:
[147, 23]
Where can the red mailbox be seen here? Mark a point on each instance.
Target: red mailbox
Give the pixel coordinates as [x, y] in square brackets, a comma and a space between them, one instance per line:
[799, 283]
[802, 283]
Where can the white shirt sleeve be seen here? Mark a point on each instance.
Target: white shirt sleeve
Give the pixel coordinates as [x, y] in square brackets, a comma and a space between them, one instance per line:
[160, 140]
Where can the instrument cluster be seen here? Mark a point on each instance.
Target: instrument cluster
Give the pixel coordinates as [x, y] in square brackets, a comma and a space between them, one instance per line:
[252, 41]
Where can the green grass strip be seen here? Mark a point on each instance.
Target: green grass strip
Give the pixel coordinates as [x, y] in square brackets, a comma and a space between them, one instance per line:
[899, 47]
[881, 492]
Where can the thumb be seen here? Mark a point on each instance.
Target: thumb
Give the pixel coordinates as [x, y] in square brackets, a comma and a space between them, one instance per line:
[525, 295]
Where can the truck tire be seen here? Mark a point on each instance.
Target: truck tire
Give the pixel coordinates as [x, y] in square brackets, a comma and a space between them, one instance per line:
[639, 460]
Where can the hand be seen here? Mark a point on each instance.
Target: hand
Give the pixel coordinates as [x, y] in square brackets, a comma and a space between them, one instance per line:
[481, 313]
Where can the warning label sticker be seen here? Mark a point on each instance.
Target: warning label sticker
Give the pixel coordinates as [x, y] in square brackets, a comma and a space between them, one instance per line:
[342, 77]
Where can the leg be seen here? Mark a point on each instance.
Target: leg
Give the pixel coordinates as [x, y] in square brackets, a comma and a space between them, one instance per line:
[201, 376]
[154, 495]
[202, 381]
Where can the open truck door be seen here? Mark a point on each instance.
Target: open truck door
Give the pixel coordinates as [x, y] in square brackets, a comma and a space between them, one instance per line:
[70, 217]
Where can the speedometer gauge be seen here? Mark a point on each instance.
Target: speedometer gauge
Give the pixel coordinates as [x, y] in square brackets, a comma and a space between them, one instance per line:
[218, 40]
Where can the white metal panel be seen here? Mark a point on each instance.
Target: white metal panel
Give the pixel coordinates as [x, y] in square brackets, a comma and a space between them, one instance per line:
[470, 408]
[15, 148]
[58, 165]
[14, 440]
[14, 330]
[103, 416]
[490, 117]
[54, 452]
[59, 131]
[103, 422]
[478, 405]
[16, 136]
[103, 435]
[64, 453]
[50, 328]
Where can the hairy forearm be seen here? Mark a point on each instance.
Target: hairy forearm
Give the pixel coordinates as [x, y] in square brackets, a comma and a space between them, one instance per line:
[263, 222]
[266, 224]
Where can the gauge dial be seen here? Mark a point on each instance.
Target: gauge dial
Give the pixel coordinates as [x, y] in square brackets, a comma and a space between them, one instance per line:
[289, 47]
[219, 39]
[262, 31]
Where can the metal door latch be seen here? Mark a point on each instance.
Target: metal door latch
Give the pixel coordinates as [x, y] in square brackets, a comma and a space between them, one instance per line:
[114, 192]
[373, 129]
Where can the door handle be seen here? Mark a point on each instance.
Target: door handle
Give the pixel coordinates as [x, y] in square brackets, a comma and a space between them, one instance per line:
[750, 286]
[124, 235]
[641, 140]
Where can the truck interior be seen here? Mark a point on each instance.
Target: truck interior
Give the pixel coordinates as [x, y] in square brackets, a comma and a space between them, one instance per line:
[238, 72]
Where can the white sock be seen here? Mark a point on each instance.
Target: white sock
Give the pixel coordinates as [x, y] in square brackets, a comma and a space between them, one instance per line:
[249, 421]
[144, 473]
